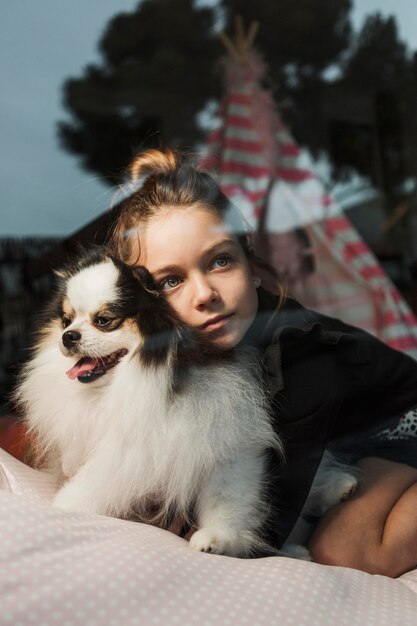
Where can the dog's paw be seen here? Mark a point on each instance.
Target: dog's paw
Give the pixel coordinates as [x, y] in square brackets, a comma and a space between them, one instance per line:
[346, 487]
[71, 498]
[294, 551]
[215, 541]
[67, 501]
[338, 491]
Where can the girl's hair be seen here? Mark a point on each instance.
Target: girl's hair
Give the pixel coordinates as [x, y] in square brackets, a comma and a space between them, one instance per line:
[164, 179]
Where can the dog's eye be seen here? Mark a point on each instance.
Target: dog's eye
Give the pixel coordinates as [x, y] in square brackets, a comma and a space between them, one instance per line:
[66, 320]
[102, 321]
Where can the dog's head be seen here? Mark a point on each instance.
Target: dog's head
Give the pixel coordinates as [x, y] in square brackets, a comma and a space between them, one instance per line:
[106, 310]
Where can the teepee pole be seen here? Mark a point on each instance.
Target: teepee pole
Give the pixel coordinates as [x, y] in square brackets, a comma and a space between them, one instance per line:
[242, 42]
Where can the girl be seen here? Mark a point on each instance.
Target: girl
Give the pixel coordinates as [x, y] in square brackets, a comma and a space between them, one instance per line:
[333, 385]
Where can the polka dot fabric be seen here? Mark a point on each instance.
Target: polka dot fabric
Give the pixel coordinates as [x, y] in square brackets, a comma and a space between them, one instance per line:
[66, 569]
[406, 428]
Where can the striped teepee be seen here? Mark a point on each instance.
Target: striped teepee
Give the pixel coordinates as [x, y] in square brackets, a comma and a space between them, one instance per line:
[300, 227]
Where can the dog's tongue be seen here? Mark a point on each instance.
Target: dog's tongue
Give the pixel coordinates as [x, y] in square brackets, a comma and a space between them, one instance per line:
[86, 364]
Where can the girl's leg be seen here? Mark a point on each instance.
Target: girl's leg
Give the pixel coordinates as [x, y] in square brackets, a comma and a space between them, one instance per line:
[376, 529]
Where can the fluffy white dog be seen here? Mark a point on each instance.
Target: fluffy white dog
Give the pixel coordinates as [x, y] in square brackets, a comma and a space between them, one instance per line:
[137, 416]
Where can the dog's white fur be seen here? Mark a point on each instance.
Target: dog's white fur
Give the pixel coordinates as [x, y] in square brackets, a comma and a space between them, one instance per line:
[334, 482]
[128, 441]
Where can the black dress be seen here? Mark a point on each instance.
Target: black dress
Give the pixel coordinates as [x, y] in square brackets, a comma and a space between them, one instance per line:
[334, 386]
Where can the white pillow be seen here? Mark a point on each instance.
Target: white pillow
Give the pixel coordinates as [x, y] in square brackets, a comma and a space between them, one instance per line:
[61, 568]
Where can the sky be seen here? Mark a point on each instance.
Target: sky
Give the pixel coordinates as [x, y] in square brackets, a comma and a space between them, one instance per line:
[43, 190]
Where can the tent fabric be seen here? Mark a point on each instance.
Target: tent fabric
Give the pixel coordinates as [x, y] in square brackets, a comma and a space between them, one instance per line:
[260, 167]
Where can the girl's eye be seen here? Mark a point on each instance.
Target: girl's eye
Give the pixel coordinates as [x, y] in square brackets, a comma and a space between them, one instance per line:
[66, 321]
[222, 261]
[169, 283]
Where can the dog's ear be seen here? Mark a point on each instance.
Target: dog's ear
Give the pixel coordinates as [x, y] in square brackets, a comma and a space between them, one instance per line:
[146, 280]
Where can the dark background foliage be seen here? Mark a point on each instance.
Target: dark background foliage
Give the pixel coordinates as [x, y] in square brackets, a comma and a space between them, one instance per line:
[156, 75]
[155, 79]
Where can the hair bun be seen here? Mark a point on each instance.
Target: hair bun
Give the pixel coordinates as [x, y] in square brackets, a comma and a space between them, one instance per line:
[153, 162]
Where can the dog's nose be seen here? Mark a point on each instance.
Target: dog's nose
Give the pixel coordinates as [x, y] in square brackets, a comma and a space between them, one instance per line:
[70, 337]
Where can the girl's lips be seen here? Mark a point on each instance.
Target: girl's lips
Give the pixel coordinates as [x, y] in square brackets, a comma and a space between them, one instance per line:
[216, 323]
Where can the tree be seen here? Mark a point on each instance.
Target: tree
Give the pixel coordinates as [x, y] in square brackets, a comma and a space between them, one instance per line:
[157, 73]
[379, 60]
[299, 39]
[380, 68]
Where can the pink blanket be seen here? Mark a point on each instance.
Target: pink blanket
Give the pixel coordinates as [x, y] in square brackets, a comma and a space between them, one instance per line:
[65, 568]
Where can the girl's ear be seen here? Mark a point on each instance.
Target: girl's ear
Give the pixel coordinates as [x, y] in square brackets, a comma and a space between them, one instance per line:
[257, 280]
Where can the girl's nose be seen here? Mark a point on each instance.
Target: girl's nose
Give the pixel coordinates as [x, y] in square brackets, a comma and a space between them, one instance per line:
[204, 292]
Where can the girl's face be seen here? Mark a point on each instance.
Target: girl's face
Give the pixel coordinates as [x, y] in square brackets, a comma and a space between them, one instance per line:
[202, 271]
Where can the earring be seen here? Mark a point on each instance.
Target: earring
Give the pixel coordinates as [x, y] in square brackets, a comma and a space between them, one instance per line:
[256, 281]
